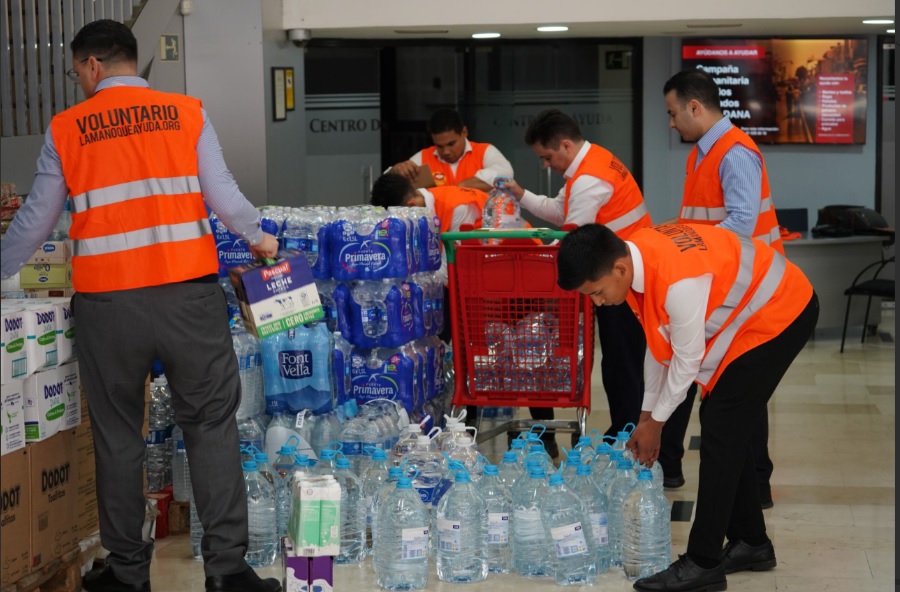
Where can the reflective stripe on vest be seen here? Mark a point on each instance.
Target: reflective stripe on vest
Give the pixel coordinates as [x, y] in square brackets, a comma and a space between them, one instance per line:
[765, 205]
[145, 237]
[697, 213]
[763, 294]
[134, 190]
[769, 238]
[628, 218]
[737, 291]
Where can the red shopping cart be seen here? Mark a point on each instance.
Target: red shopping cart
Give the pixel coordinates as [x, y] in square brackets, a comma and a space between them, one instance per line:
[518, 339]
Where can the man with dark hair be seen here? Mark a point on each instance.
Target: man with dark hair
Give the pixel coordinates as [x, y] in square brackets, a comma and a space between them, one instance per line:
[727, 312]
[726, 184]
[145, 273]
[453, 159]
[599, 188]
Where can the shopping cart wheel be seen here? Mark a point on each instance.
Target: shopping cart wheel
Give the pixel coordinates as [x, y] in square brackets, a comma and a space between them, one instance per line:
[582, 414]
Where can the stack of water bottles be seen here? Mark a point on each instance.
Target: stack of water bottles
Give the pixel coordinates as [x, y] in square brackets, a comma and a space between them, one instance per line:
[161, 420]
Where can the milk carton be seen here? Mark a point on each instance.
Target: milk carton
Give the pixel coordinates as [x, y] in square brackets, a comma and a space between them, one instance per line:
[15, 361]
[12, 422]
[315, 521]
[46, 398]
[40, 327]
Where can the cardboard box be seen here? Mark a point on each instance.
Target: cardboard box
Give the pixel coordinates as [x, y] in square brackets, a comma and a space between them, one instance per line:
[15, 517]
[17, 360]
[87, 520]
[315, 520]
[49, 293]
[53, 498]
[277, 297]
[52, 402]
[52, 252]
[45, 275]
[12, 422]
[300, 574]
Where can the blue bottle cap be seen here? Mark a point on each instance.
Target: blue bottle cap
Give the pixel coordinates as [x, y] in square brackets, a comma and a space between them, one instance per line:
[624, 463]
[509, 457]
[287, 450]
[261, 458]
[342, 463]
[395, 473]
[517, 443]
[603, 448]
[583, 469]
[378, 455]
[249, 465]
[645, 475]
[491, 470]
[463, 477]
[404, 483]
[557, 478]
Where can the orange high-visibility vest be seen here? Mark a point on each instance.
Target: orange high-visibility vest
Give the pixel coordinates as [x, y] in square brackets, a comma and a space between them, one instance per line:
[755, 294]
[448, 198]
[625, 212]
[129, 158]
[468, 164]
[704, 199]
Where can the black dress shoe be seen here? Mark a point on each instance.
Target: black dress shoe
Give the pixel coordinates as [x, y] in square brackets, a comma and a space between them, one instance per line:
[245, 581]
[104, 580]
[673, 482]
[739, 556]
[684, 576]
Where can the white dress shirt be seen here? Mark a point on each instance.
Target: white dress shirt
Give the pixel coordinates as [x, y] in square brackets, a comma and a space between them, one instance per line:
[495, 164]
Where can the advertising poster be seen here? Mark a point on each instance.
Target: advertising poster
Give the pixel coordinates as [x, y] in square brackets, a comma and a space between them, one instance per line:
[788, 91]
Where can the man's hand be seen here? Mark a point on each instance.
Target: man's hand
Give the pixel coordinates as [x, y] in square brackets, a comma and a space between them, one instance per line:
[475, 183]
[267, 248]
[644, 441]
[407, 168]
[512, 187]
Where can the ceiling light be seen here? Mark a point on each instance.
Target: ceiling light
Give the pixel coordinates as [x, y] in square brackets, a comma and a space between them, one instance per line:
[878, 22]
[553, 29]
[890, 30]
[485, 35]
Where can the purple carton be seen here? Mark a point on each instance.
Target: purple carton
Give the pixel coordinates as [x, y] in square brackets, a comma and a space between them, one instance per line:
[277, 297]
[321, 574]
[296, 569]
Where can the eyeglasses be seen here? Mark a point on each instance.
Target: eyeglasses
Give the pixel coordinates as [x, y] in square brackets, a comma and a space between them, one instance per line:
[73, 75]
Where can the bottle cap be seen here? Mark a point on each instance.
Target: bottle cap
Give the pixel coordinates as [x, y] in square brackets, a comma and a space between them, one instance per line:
[556, 478]
[645, 475]
[491, 470]
[249, 465]
[342, 463]
[463, 477]
[509, 457]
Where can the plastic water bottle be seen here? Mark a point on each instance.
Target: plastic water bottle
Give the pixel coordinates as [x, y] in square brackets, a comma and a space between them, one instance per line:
[501, 209]
[282, 493]
[499, 511]
[374, 478]
[283, 430]
[181, 474]
[605, 476]
[596, 509]
[464, 451]
[647, 544]
[572, 556]
[284, 460]
[262, 542]
[425, 463]
[61, 230]
[402, 540]
[247, 352]
[622, 439]
[533, 343]
[601, 456]
[656, 471]
[158, 420]
[573, 461]
[461, 550]
[509, 469]
[327, 428]
[620, 487]
[250, 434]
[358, 434]
[196, 532]
[384, 489]
[353, 514]
[530, 542]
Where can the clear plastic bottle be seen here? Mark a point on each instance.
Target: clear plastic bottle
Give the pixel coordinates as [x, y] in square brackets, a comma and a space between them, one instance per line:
[647, 543]
[531, 545]
[571, 464]
[156, 459]
[326, 429]
[426, 464]
[509, 469]
[250, 434]
[620, 487]
[353, 514]
[461, 550]
[400, 555]
[63, 224]
[464, 450]
[282, 493]
[596, 509]
[499, 511]
[371, 298]
[196, 532]
[262, 543]
[374, 478]
[384, 489]
[605, 476]
[284, 461]
[601, 456]
[656, 471]
[357, 434]
[283, 430]
[181, 473]
[534, 347]
[572, 555]
[501, 209]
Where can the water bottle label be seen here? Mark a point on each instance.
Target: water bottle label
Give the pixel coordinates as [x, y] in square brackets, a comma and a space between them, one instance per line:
[414, 543]
[436, 493]
[301, 419]
[601, 528]
[498, 528]
[569, 540]
[295, 364]
[427, 494]
[367, 501]
[371, 315]
[449, 535]
[351, 448]
[509, 221]
[156, 436]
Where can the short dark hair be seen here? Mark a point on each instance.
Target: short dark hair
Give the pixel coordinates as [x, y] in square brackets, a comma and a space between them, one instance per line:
[445, 120]
[694, 84]
[391, 189]
[550, 127]
[586, 254]
[107, 39]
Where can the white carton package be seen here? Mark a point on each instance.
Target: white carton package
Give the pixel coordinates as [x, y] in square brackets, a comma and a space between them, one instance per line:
[52, 402]
[40, 326]
[65, 326]
[15, 362]
[12, 422]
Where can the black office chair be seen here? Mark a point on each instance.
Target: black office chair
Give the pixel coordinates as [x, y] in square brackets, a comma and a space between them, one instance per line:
[875, 286]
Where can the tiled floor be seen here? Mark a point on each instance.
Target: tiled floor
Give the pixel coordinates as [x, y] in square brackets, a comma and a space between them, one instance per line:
[832, 441]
